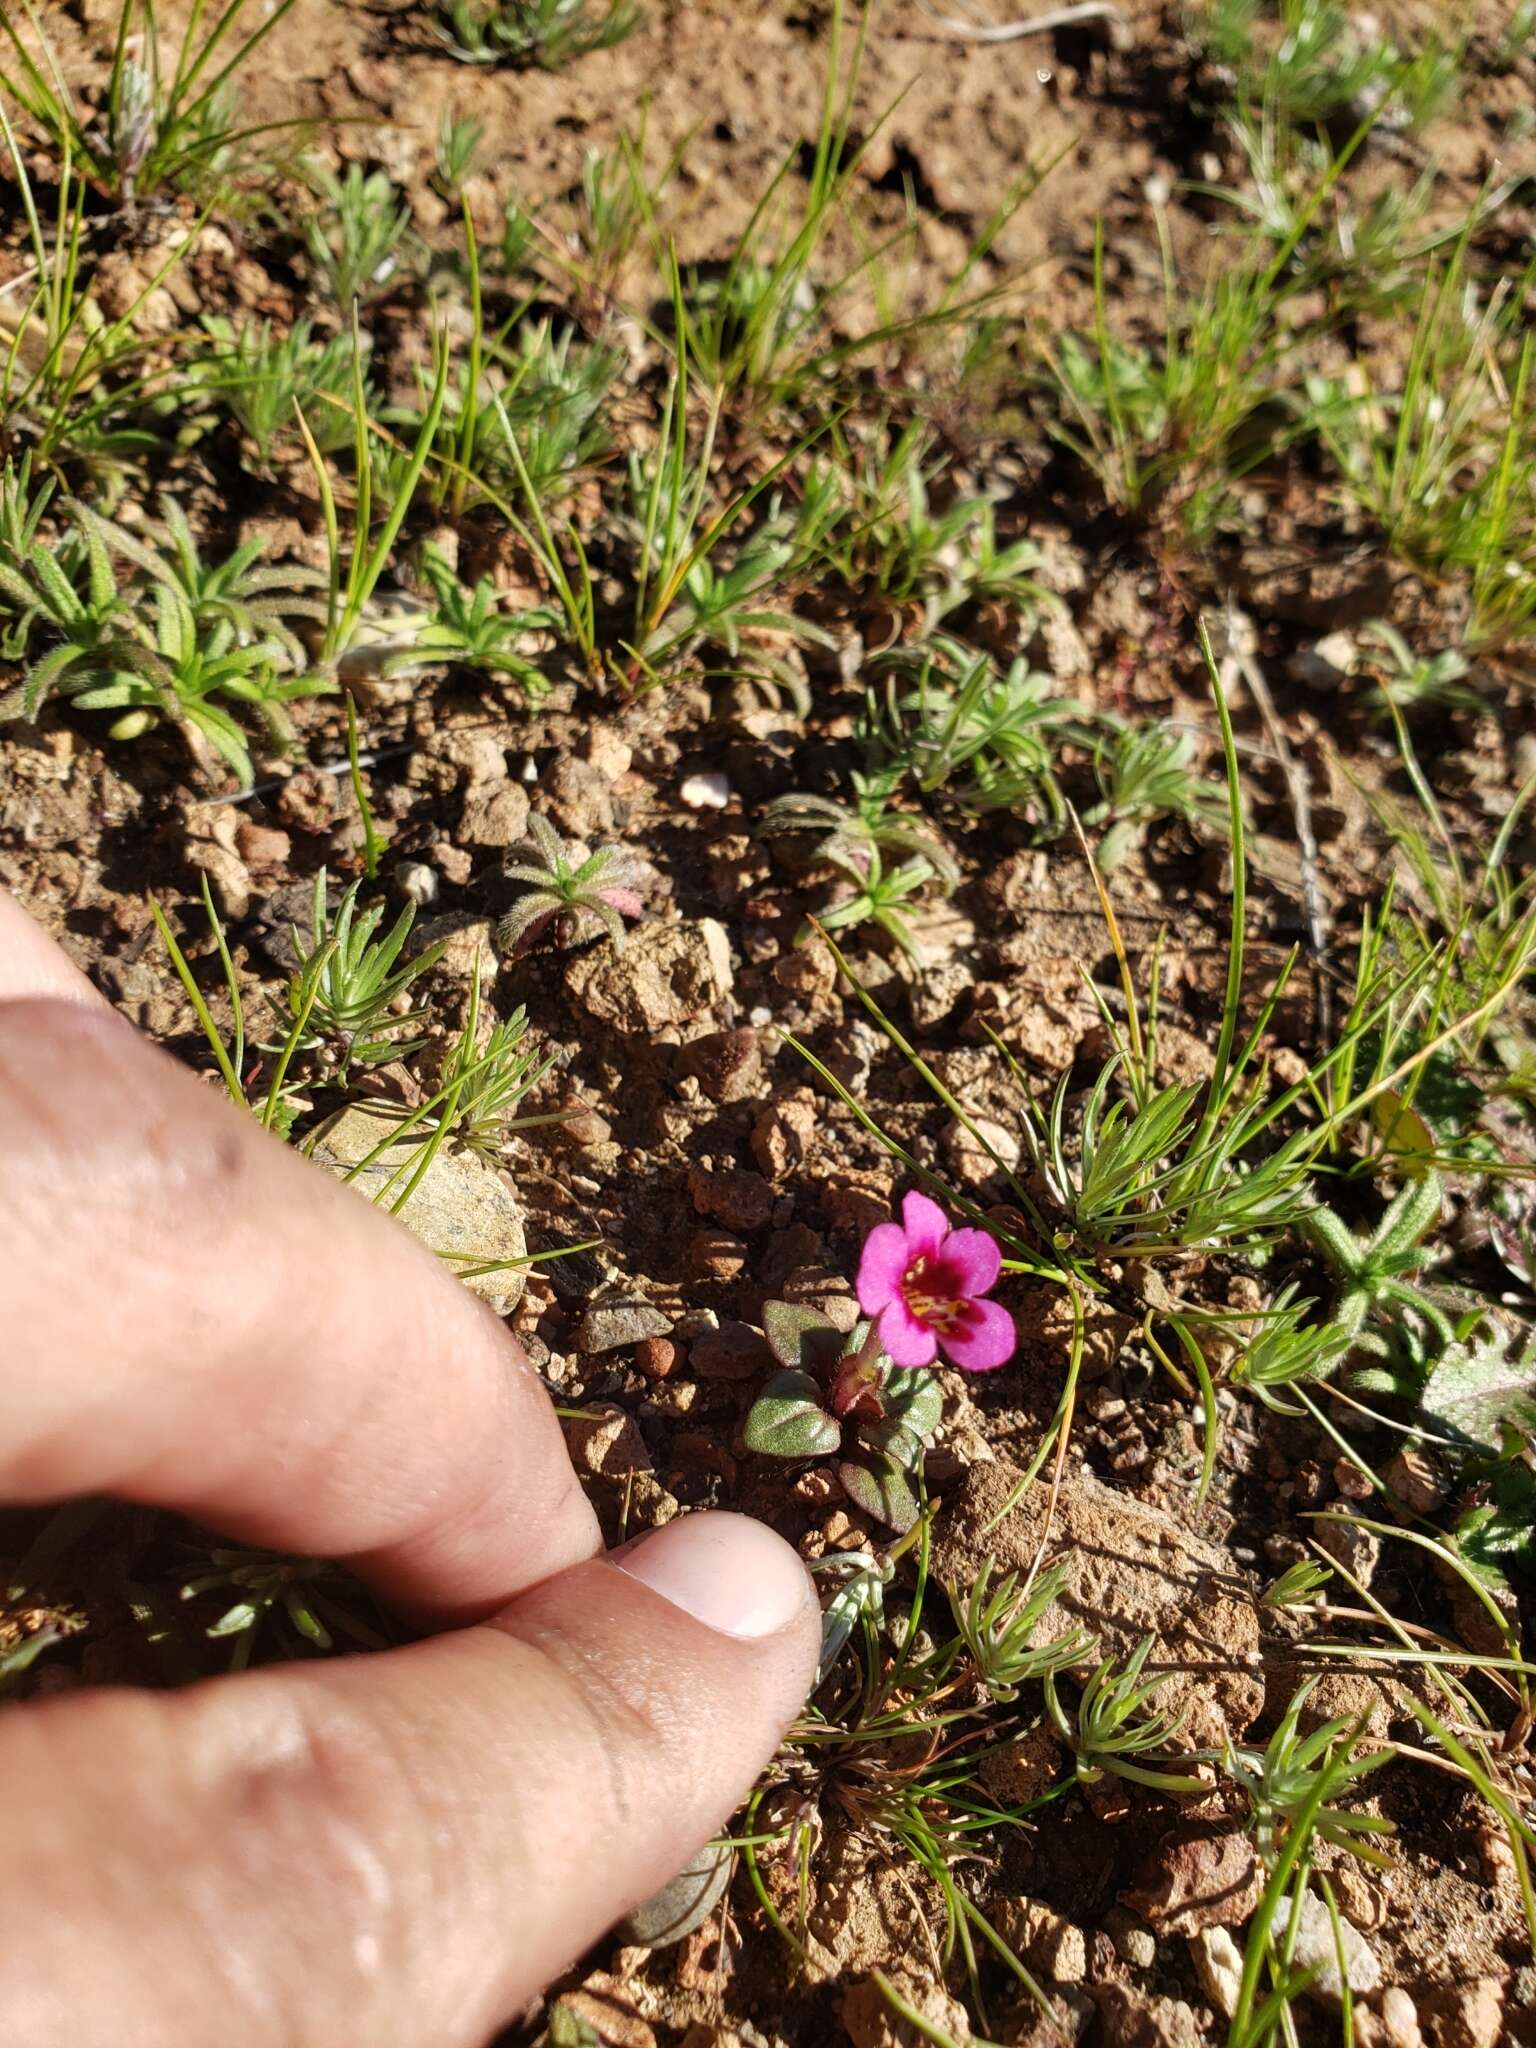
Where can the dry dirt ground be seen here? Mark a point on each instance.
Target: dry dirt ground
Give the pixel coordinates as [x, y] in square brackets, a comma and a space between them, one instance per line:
[704, 1160]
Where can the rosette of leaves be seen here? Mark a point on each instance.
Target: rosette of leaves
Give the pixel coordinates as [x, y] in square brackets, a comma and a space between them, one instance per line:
[571, 892]
[839, 1397]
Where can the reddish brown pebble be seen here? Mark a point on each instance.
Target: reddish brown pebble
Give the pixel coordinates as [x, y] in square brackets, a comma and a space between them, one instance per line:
[656, 1357]
[262, 846]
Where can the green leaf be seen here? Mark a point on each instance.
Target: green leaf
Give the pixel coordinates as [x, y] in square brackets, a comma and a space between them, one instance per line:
[14, 1661]
[1480, 1387]
[568, 2029]
[880, 1487]
[787, 1420]
[893, 1441]
[1498, 1536]
[800, 1338]
[914, 1400]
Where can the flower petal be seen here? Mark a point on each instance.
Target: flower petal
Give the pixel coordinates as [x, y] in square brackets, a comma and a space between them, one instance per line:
[926, 1225]
[973, 1259]
[882, 1267]
[985, 1340]
[907, 1341]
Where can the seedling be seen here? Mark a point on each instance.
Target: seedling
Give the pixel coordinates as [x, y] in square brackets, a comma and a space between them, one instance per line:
[163, 126]
[1286, 1347]
[1372, 1270]
[264, 376]
[292, 1597]
[871, 893]
[998, 1624]
[350, 991]
[868, 824]
[68, 597]
[1146, 772]
[1298, 1585]
[459, 137]
[355, 240]
[1112, 1728]
[252, 599]
[1416, 683]
[841, 1398]
[1282, 1780]
[469, 628]
[177, 674]
[955, 725]
[571, 893]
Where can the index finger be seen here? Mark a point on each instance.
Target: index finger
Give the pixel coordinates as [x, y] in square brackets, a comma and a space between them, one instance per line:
[196, 1317]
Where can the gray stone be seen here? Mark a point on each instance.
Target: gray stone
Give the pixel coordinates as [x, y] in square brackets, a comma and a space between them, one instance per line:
[1316, 1948]
[461, 1205]
[684, 1904]
[615, 1325]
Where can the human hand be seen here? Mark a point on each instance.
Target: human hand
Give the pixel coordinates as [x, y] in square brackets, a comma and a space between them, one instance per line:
[399, 1848]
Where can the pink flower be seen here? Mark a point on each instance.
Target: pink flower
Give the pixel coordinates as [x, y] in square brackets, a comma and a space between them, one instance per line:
[925, 1282]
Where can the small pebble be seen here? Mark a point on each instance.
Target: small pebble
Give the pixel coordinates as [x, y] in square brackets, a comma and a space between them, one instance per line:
[706, 792]
[656, 1357]
[417, 882]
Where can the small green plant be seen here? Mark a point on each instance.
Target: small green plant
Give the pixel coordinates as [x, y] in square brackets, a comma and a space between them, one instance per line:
[66, 598]
[571, 893]
[179, 669]
[469, 628]
[1111, 1728]
[355, 567]
[459, 137]
[1443, 463]
[840, 1397]
[164, 126]
[356, 238]
[549, 33]
[1146, 772]
[1174, 429]
[869, 824]
[720, 604]
[1282, 1782]
[182, 636]
[998, 1625]
[868, 892]
[263, 376]
[1374, 1288]
[483, 1082]
[293, 1596]
[1286, 1347]
[617, 203]
[525, 414]
[1322, 65]
[1416, 683]
[70, 381]
[253, 599]
[956, 726]
[349, 997]
[1298, 1585]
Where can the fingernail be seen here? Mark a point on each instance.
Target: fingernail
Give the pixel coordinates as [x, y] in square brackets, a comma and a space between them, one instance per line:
[729, 1572]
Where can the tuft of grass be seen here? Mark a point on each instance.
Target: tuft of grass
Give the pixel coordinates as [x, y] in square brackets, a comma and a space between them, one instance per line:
[357, 236]
[166, 126]
[547, 33]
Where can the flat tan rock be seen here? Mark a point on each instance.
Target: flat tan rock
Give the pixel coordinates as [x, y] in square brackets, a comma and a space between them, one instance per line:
[462, 1204]
[1132, 1571]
